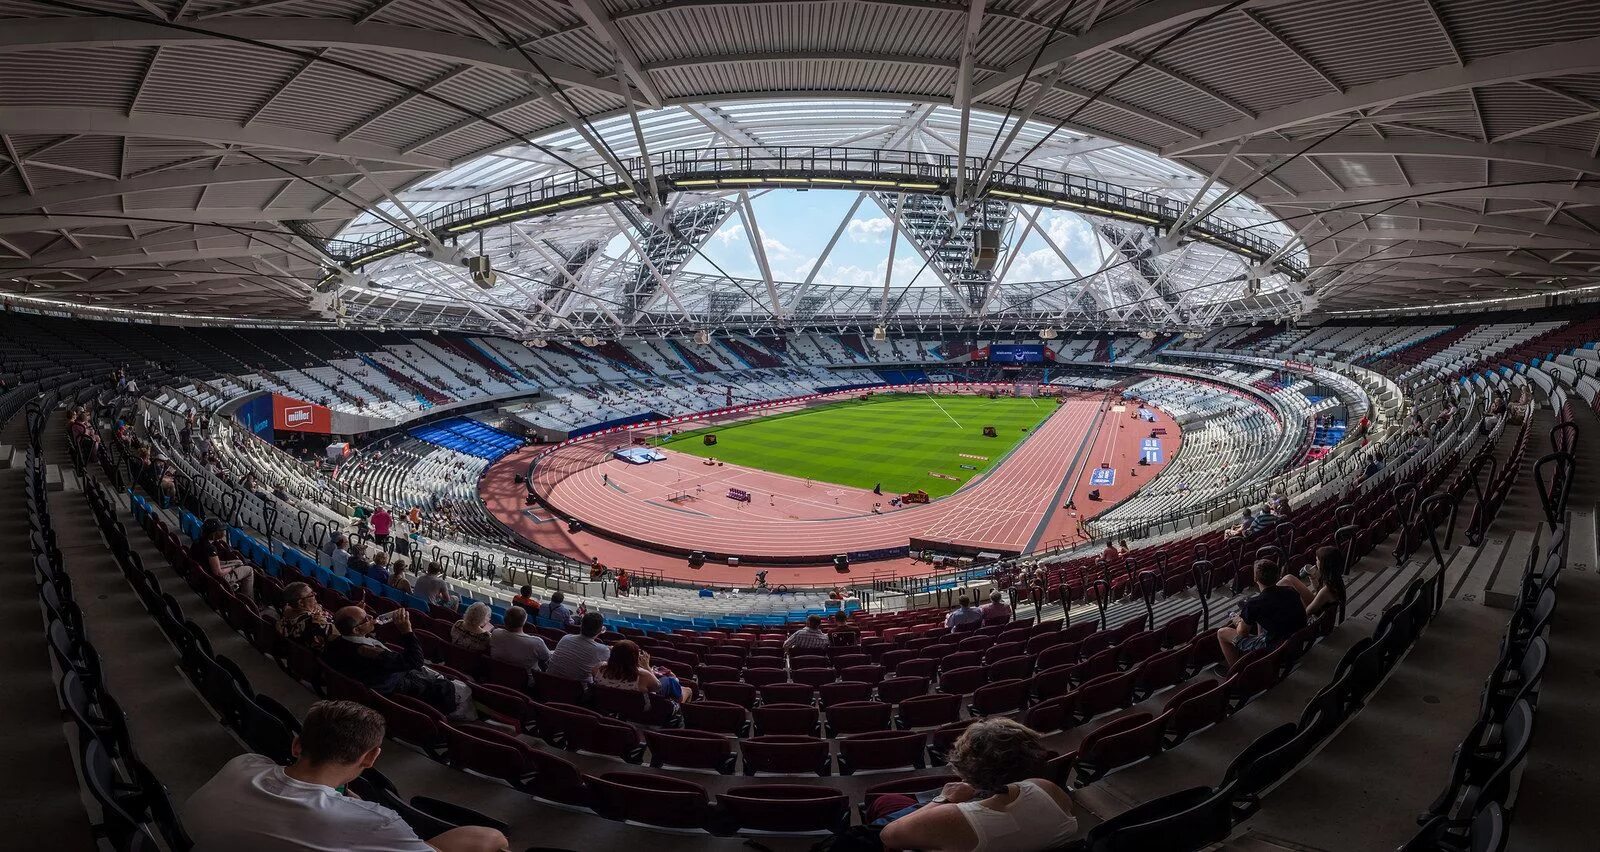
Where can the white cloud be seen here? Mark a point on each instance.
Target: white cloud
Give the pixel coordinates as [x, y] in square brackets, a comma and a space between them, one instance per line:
[869, 230]
[729, 233]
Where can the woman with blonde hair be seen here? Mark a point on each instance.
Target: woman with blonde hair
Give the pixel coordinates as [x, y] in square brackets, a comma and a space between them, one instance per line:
[472, 631]
[1000, 803]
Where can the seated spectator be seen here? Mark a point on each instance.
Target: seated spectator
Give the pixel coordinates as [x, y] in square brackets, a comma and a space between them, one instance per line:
[302, 618]
[1326, 582]
[1122, 548]
[254, 804]
[706, 592]
[379, 569]
[472, 631]
[996, 610]
[339, 554]
[1001, 801]
[964, 614]
[623, 581]
[431, 587]
[1374, 465]
[212, 552]
[577, 654]
[356, 654]
[557, 610]
[628, 667]
[397, 577]
[357, 563]
[810, 636]
[512, 644]
[1262, 520]
[1265, 620]
[525, 600]
[843, 634]
[1244, 527]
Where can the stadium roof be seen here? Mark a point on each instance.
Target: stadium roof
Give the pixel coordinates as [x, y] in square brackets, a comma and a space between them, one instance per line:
[185, 155]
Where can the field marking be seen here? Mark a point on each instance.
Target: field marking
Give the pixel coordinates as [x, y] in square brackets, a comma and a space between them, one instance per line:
[941, 408]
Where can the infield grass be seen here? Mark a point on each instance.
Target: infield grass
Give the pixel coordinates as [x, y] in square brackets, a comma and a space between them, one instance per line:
[892, 439]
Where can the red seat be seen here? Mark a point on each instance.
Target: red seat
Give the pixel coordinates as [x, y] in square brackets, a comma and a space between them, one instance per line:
[1254, 674]
[1204, 649]
[632, 705]
[742, 694]
[582, 729]
[842, 691]
[785, 755]
[882, 750]
[491, 752]
[788, 719]
[502, 673]
[1104, 694]
[1010, 668]
[960, 660]
[507, 706]
[412, 721]
[1139, 647]
[962, 681]
[1194, 708]
[656, 800]
[855, 717]
[1001, 696]
[761, 677]
[1161, 670]
[943, 738]
[785, 808]
[897, 689]
[926, 711]
[720, 717]
[814, 676]
[787, 693]
[1005, 650]
[1119, 742]
[555, 779]
[548, 688]
[1180, 629]
[1059, 654]
[864, 673]
[1053, 714]
[709, 674]
[1054, 681]
[691, 750]
[1101, 663]
[917, 668]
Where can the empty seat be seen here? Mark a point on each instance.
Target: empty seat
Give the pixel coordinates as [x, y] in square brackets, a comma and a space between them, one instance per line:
[927, 711]
[786, 755]
[649, 799]
[716, 716]
[785, 808]
[880, 750]
[855, 717]
[691, 750]
[790, 719]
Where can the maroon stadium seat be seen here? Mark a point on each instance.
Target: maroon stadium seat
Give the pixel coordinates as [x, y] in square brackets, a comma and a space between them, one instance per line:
[927, 711]
[1053, 714]
[650, 799]
[785, 755]
[787, 693]
[855, 717]
[1001, 696]
[785, 719]
[842, 691]
[1119, 742]
[691, 750]
[785, 809]
[727, 692]
[897, 689]
[720, 717]
[1104, 694]
[882, 750]
[1194, 708]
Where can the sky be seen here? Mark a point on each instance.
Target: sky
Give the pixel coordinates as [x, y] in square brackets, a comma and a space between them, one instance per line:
[795, 228]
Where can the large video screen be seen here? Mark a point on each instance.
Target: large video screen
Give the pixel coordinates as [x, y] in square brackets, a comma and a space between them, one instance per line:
[1016, 353]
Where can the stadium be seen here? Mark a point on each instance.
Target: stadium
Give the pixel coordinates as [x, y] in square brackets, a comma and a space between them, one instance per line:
[1093, 425]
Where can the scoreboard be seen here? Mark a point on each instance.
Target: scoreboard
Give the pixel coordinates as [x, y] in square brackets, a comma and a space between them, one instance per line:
[1016, 353]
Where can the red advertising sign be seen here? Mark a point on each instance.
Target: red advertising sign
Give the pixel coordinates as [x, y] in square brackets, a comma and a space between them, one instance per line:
[292, 415]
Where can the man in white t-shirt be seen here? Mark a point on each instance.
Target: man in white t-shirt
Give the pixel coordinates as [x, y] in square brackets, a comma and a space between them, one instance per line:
[255, 805]
[510, 644]
[577, 654]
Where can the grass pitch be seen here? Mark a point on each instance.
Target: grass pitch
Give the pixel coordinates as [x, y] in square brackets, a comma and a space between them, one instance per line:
[895, 440]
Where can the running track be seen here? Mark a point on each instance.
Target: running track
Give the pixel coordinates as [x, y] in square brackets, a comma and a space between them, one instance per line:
[1001, 511]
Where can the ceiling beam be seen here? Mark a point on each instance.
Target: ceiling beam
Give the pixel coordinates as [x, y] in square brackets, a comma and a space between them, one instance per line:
[1412, 146]
[1554, 60]
[51, 121]
[75, 32]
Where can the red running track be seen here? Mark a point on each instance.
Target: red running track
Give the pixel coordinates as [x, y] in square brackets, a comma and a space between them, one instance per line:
[1000, 511]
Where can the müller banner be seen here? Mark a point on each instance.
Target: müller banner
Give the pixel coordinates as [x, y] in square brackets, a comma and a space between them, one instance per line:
[293, 415]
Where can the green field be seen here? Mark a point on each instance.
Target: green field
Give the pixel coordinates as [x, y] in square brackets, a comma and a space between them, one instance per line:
[892, 439]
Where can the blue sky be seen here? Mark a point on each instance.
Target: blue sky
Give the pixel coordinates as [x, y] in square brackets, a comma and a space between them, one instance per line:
[796, 226]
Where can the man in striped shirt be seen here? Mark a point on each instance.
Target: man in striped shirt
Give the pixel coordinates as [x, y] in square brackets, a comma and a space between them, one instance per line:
[810, 636]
